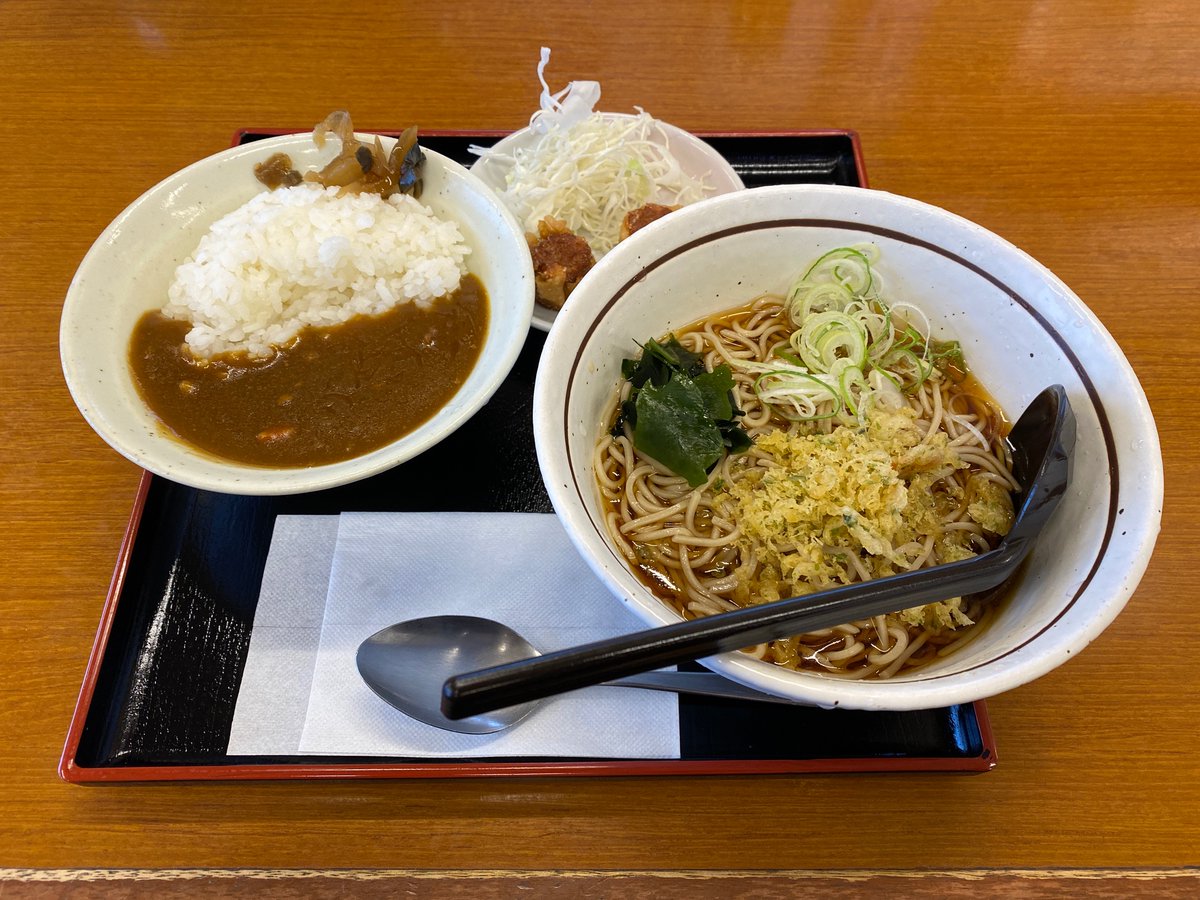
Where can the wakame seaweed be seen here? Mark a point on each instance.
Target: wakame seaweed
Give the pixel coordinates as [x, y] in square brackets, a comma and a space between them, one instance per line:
[681, 414]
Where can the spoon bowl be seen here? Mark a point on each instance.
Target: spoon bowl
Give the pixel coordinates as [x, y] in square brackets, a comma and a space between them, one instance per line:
[406, 664]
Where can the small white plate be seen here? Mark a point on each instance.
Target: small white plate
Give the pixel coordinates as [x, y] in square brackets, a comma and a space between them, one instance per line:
[696, 158]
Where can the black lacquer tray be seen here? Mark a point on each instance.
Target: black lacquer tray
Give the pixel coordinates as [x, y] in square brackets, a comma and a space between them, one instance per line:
[160, 688]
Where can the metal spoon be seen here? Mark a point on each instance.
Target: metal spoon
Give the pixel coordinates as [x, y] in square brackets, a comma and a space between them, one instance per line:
[407, 663]
[1042, 442]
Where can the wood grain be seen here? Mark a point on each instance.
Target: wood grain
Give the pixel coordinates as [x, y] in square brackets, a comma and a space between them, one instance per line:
[1068, 127]
[129, 884]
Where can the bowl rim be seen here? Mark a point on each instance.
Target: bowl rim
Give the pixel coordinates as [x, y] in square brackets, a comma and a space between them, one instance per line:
[627, 265]
[543, 317]
[240, 478]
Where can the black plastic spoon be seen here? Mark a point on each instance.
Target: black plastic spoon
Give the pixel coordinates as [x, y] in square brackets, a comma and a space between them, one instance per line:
[1042, 442]
[406, 664]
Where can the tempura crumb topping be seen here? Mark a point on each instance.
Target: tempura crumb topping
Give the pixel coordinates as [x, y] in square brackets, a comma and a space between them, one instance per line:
[826, 509]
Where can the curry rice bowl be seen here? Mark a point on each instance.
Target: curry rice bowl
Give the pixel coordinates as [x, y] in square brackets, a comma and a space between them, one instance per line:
[131, 266]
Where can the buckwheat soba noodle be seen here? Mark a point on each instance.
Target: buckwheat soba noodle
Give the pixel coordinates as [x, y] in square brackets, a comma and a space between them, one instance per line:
[804, 442]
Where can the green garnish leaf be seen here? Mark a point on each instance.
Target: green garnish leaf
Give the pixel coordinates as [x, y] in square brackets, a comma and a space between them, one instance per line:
[715, 387]
[947, 355]
[659, 360]
[735, 437]
[673, 427]
[681, 415]
[675, 355]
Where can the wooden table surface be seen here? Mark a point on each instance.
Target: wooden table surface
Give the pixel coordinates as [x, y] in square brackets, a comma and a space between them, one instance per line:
[1071, 128]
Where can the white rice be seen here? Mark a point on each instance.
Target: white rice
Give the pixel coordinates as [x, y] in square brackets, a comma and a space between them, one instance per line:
[304, 256]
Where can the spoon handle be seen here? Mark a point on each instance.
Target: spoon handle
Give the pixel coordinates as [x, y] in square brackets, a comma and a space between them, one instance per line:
[705, 684]
[567, 670]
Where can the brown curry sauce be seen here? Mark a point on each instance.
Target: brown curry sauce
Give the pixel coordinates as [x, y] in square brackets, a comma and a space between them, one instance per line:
[331, 394]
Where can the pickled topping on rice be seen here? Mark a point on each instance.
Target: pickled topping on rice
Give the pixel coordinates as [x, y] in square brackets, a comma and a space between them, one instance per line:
[359, 167]
[277, 171]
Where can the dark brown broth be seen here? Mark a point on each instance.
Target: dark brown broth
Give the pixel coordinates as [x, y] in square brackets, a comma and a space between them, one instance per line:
[332, 394]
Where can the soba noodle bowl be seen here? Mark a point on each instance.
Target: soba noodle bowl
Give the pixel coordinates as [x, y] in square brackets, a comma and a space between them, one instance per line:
[874, 452]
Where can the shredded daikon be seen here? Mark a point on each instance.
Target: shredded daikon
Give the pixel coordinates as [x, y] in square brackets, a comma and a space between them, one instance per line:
[590, 169]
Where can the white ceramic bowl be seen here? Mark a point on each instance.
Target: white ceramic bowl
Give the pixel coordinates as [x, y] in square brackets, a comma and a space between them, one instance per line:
[696, 158]
[129, 268]
[1021, 329]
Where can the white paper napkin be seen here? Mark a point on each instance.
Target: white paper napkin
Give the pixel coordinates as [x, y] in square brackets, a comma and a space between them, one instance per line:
[519, 569]
[273, 697]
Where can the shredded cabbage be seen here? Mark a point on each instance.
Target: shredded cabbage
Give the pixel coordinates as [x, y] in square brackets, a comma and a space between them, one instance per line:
[588, 169]
[568, 107]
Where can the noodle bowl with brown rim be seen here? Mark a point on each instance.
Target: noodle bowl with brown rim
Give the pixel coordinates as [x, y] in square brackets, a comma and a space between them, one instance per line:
[1020, 329]
[690, 545]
